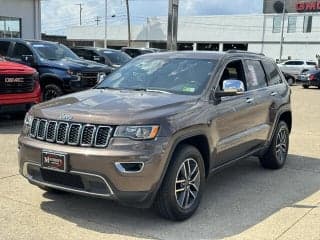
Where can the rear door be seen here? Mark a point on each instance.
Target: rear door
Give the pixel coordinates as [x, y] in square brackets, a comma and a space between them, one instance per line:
[19, 50]
[4, 48]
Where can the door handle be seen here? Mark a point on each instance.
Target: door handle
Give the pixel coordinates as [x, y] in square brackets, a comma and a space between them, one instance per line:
[274, 94]
[249, 100]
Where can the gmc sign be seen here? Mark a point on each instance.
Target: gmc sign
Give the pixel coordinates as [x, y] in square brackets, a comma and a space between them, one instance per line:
[313, 6]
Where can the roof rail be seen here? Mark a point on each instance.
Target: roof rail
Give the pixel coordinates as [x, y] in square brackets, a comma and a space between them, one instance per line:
[241, 51]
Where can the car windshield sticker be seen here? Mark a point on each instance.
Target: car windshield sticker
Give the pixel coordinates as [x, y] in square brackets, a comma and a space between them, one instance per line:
[188, 89]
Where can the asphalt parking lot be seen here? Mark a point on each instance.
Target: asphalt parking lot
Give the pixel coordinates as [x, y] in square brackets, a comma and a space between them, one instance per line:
[242, 202]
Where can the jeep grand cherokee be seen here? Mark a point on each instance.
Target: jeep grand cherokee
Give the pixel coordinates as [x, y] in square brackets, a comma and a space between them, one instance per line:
[155, 129]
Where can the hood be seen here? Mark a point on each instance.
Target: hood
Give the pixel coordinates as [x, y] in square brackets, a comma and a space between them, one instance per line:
[15, 68]
[77, 65]
[115, 107]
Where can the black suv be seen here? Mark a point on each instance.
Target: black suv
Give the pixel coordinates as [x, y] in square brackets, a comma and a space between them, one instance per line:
[112, 58]
[61, 71]
[155, 129]
[135, 52]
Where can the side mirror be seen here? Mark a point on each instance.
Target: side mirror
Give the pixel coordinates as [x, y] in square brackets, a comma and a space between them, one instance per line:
[99, 59]
[231, 87]
[28, 59]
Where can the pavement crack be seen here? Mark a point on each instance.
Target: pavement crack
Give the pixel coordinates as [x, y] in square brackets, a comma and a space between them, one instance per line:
[14, 175]
[295, 223]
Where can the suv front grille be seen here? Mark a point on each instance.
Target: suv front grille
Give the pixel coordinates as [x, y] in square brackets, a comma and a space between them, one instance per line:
[74, 134]
[90, 79]
[16, 84]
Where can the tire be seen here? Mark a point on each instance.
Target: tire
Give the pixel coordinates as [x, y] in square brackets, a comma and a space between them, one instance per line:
[51, 91]
[276, 155]
[290, 81]
[177, 206]
[305, 86]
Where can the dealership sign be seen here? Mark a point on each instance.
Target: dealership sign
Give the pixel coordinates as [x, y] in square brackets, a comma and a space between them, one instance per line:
[311, 6]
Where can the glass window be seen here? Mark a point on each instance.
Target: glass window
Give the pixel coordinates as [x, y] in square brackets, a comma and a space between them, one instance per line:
[20, 50]
[53, 51]
[276, 24]
[292, 24]
[185, 76]
[117, 58]
[256, 77]
[208, 47]
[294, 63]
[312, 63]
[10, 27]
[272, 72]
[307, 24]
[4, 47]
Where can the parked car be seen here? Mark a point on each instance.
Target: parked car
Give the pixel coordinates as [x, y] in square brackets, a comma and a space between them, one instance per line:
[154, 130]
[110, 57]
[135, 52]
[290, 78]
[61, 71]
[19, 87]
[296, 67]
[310, 78]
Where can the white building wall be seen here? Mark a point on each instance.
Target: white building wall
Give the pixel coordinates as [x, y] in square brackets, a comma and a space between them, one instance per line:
[254, 30]
[28, 11]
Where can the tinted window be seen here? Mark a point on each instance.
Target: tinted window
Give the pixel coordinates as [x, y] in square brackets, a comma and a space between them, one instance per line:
[117, 58]
[256, 77]
[307, 24]
[19, 50]
[290, 63]
[53, 51]
[4, 47]
[86, 54]
[184, 76]
[312, 63]
[272, 72]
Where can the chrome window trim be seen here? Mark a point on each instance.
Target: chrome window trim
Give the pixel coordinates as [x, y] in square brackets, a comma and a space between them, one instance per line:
[93, 135]
[108, 138]
[66, 134]
[54, 132]
[78, 135]
[45, 129]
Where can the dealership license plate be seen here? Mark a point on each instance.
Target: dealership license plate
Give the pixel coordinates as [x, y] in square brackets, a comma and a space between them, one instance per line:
[54, 161]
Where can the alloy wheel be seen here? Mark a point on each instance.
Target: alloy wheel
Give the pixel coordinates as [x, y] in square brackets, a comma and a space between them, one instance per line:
[282, 145]
[187, 183]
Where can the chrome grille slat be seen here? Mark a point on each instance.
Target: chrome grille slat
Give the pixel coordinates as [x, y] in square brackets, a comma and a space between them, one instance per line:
[74, 134]
[62, 132]
[68, 133]
[87, 135]
[42, 128]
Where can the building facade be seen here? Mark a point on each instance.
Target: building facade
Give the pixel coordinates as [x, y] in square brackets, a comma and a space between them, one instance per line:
[20, 18]
[257, 33]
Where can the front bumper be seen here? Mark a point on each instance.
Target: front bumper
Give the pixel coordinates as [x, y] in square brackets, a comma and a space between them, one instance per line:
[94, 172]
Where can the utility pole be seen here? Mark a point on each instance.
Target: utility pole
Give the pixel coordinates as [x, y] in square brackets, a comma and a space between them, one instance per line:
[80, 5]
[282, 29]
[105, 23]
[129, 25]
[97, 20]
[172, 35]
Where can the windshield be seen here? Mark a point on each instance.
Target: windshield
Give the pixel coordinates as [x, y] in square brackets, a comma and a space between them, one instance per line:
[117, 58]
[175, 75]
[53, 51]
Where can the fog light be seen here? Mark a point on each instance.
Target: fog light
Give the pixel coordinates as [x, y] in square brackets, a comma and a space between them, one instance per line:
[129, 167]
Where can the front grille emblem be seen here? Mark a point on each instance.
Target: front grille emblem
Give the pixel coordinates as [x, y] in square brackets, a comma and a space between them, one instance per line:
[65, 117]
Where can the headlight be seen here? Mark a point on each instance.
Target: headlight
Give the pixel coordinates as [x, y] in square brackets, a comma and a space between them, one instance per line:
[28, 119]
[101, 77]
[137, 132]
[74, 74]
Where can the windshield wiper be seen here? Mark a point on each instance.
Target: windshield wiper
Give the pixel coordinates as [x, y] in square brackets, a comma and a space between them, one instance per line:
[150, 90]
[111, 88]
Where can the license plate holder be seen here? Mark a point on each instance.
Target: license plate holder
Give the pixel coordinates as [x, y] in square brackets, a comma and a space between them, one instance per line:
[54, 161]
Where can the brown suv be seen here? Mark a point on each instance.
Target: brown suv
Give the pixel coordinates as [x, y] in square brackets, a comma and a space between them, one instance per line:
[154, 130]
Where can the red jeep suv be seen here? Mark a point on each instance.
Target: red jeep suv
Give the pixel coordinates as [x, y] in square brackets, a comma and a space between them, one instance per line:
[19, 87]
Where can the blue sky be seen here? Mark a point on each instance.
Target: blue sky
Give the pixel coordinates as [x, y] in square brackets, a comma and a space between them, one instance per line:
[57, 15]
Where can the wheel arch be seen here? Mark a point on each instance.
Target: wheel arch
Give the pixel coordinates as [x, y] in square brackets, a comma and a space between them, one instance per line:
[50, 79]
